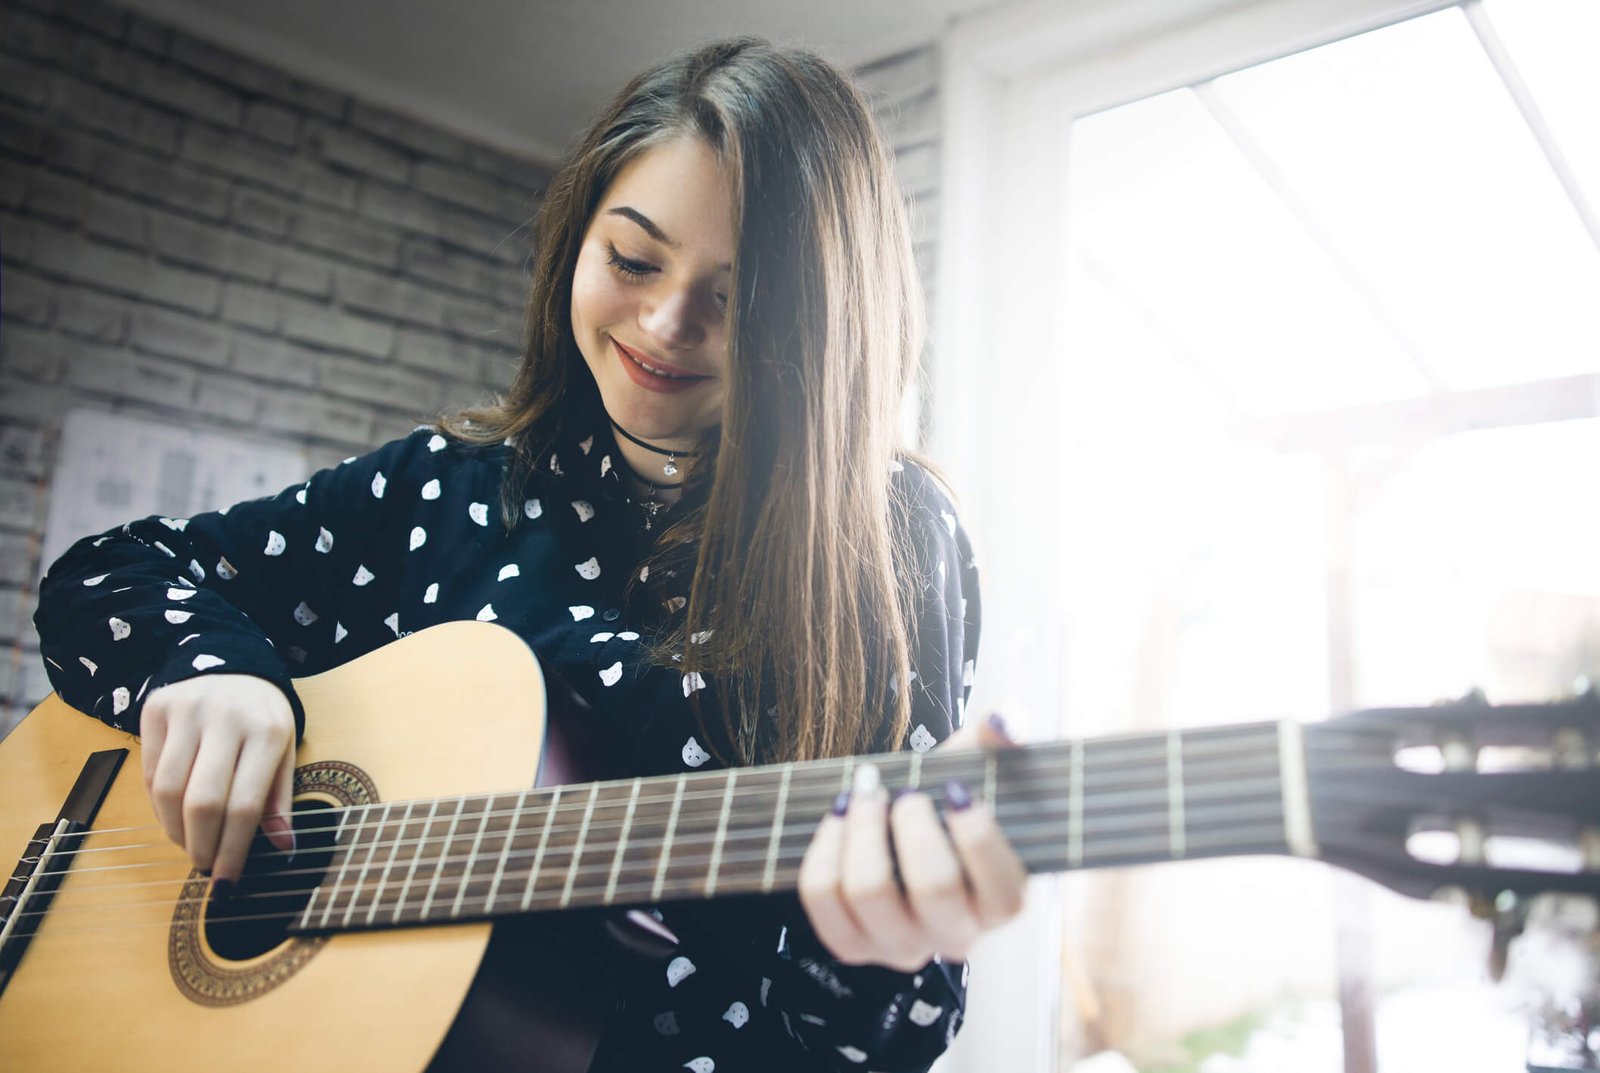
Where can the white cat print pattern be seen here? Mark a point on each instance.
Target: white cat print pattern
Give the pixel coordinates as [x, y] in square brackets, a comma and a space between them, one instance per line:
[413, 534]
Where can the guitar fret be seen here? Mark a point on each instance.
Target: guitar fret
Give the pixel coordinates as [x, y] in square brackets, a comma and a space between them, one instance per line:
[914, 772]
[416, 857]
[577, 847]
[666, 840]
[472, 858]
[773, 840]
[366, 863]
[338, 880]
[388, 864]
[444, 853]
[989, 780]
[505, 852]
[1175, 820]
[622, 842]
[319, 889]
[1296, 791]
[722, 831]
[1075, 808]
[550, 809]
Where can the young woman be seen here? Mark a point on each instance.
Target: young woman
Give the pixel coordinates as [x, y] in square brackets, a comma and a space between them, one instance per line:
[691, 505]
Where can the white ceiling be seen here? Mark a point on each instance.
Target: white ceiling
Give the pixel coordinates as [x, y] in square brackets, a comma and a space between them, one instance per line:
[527, 74]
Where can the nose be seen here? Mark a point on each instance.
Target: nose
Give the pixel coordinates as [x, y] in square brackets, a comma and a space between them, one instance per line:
[674, 321]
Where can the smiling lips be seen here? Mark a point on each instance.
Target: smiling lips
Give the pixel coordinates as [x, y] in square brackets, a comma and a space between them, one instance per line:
[653, 374]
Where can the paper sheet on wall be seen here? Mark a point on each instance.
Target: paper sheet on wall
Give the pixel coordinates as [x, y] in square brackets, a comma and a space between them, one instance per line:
[112, 469]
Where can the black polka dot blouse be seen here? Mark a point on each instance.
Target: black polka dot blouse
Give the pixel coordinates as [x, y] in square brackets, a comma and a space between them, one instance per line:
[410, 536]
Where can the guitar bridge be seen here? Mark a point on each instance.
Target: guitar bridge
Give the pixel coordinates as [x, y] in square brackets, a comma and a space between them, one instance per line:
[43, 866]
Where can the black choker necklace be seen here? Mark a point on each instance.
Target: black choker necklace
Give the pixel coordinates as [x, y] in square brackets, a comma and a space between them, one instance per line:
[670, 467]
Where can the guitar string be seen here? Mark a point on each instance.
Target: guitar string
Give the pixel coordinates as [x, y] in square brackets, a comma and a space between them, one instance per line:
[811, 800]
[799, 822]
[1143, 767]
[892, 760]
[1143, 771]
[1202, 739]
[1148, 853]
[763, 833]
[1038, 847]
[815, 800]
[1020, 796]
[1154, 840]
[1009, 809]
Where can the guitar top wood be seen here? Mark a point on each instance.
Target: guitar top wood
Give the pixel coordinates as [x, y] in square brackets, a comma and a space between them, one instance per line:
[100, 986]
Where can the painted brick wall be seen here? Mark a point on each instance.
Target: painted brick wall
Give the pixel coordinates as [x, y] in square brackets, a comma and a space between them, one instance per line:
[189, 235]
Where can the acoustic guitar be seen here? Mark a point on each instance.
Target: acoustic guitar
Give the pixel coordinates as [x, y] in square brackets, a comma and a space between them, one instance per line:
[434, 821]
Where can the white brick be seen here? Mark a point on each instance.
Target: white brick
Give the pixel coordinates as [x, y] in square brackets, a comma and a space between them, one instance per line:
[273, 360]
[346, 237]
[236, 402]
[252, 306]
[175, 335]
[402, 130]
[303, 273]
[389, 296]
[314, 416]
[118, 374]
[334, 329]
[26, 297]
[380, 384]
[33, 354]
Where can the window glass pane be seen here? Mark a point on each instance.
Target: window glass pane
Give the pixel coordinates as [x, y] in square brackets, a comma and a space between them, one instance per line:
[1203, 251]
[1553, 42]
[1407, 146]
[1475, 566]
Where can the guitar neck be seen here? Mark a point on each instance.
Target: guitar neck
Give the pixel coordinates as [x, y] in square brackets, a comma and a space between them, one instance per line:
[1063, 805]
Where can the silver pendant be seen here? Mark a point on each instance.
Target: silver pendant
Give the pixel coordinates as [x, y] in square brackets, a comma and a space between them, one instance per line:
[649, 507]
[671, 468]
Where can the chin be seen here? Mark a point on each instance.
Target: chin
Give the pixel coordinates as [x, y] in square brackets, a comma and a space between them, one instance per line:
[640, 417]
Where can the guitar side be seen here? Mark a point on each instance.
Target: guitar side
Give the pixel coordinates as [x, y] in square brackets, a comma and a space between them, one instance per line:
[96, 988]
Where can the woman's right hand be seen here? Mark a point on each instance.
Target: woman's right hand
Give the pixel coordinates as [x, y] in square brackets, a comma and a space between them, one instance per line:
[218, 752]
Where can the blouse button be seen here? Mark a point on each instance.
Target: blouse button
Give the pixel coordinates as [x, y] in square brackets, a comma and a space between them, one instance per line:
[611, 614]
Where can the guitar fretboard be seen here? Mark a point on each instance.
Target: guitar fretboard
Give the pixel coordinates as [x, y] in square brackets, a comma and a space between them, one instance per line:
[1063, 805]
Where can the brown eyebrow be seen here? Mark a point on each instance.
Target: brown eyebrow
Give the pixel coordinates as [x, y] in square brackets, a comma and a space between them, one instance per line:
[650, 228]
[645, 222]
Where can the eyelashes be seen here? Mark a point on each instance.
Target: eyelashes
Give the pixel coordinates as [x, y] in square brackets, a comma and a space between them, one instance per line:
[627, 266]
[633, 271]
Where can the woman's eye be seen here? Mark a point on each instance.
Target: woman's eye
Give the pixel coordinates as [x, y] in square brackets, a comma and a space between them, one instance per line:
[627, 265]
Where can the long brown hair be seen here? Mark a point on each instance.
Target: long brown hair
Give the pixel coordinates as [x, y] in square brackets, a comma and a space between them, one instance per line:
[798, 609]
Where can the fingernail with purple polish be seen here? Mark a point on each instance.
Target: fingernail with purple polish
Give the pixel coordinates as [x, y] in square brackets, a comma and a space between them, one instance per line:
[841, 804]
[903, 791]
[999, 724]
[956, 795]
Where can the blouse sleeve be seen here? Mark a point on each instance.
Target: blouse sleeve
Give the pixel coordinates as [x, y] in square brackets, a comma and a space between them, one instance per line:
[855, 1017]
[258, 588]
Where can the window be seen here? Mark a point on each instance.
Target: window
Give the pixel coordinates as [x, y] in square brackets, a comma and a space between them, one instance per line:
[1312, 296]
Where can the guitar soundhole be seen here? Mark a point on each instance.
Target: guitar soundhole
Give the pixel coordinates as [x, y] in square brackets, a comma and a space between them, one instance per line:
[223, 952]
[254, 918]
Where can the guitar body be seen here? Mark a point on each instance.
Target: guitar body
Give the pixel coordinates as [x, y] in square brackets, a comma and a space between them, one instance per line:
[114, 979]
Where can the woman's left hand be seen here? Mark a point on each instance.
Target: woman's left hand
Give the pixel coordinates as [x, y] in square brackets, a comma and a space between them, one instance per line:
[953, 887]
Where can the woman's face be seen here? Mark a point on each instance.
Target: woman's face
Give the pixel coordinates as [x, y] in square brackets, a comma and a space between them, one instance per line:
[650, 292]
